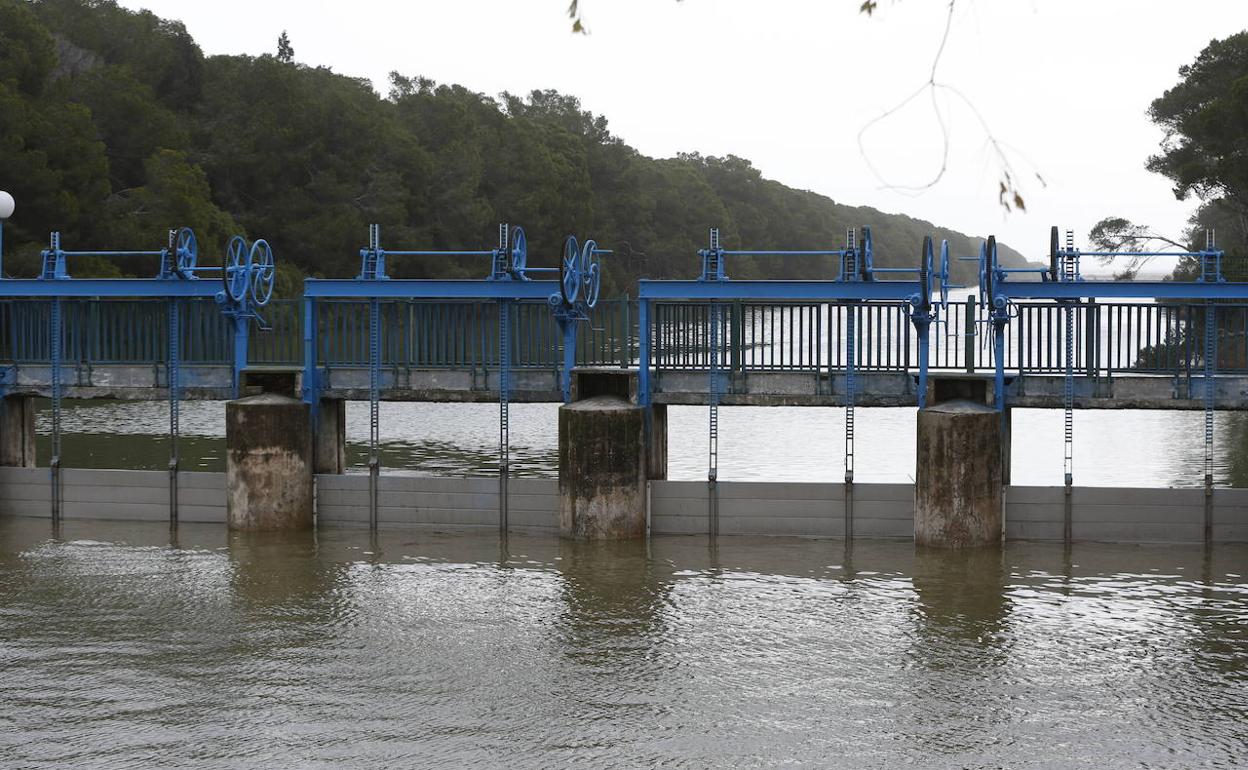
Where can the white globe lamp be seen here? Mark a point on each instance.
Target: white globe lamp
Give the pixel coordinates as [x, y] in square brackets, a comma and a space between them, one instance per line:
[7, 205]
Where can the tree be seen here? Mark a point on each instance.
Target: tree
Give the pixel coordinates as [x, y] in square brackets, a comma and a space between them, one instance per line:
[1205, 117]
[1204, 153]
[114, 129]
[284, 51]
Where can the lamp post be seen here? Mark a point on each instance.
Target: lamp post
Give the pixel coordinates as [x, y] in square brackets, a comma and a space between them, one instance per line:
[6, 210]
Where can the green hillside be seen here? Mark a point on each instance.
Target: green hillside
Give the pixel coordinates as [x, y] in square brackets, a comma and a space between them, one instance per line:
[114, 127]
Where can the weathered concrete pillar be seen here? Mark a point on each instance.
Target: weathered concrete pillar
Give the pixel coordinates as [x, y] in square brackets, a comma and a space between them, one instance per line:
[330, 449]
[17, 431]
[268, 467]
[602, 469]
[958, 489]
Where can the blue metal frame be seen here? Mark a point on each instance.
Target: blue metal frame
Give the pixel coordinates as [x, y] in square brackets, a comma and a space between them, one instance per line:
[247, 286]
[856, 284]
[570, 297]
[1063, 282]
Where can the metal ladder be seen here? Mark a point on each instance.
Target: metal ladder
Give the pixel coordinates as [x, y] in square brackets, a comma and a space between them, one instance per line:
[712, 472]
[851, 340]
[1208, 266]
[372, 256]
[1068, 394]
[175, 383]
[374, 408]
[504, 410]
[713, 388]
[57, 343]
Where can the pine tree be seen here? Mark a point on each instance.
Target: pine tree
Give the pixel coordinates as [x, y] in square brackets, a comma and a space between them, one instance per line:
[285, 52]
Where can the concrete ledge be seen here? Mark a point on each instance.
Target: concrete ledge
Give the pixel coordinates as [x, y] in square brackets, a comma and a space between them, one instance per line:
[672, 386]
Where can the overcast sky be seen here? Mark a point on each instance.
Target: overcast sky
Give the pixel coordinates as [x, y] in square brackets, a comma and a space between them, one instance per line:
[789, 84]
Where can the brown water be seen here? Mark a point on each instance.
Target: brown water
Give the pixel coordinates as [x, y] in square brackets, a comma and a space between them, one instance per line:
[123, 649]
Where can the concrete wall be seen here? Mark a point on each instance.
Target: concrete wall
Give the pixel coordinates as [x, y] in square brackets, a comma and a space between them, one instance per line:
[446, 503]
[108, 494]
[677, 507]
[771, 508]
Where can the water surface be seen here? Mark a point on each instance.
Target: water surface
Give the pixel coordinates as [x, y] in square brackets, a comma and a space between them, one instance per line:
[122, 649]
[1143, 448]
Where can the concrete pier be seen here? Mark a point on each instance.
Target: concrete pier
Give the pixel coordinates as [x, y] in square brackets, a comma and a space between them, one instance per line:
[268, 463]
[958, 484]
[17, 431]
[602, 469]
[330, 450]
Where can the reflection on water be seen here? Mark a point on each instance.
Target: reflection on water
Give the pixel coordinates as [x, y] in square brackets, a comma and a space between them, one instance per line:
[334, 649]
[1112, 448]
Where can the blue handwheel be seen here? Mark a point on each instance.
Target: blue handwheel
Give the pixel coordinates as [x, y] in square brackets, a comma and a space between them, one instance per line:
[262, 272]
[235, 268]
[570, 270]
[990, 259]
[868, 268]
[519, 250]
[944, 275]
[186, 254]
[595, 285]
[925, 275]
[591, 274]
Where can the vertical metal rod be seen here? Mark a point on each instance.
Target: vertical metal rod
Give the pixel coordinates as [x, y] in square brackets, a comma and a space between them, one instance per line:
[1068, 403]
[504, 409]
[968, 332]
[1211, 356]
[712, 472]
[374, 408]
[999, 354]
[55, 464]
[311, 389]
[851, 331]
[568, 327]
[175, 395]
[923, 329]
[643, 352]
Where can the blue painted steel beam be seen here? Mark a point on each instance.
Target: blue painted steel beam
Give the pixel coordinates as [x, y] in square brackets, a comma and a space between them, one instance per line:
[1120, 290]
[25, 288]
[391, 288]
[778, 291]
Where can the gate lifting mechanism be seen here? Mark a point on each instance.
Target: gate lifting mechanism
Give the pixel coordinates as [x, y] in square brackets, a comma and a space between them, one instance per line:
[247, 276]
[1064, 283]
[859, 282]
[570, 297]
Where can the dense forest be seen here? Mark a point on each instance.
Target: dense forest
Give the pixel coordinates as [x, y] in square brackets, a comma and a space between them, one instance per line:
[114, 128]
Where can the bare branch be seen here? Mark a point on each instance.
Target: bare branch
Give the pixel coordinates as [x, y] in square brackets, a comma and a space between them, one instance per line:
[1009, 190]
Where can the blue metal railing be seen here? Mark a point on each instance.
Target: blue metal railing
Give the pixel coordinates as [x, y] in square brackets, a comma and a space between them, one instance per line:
[1110, 338]
[113, 331]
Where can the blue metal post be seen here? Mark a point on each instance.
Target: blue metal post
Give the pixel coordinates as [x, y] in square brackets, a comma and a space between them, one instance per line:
[568, 327]
[643, 352]
[998, 344]
[56, 340]
[504, 410]
[374, 409]
[712, 470]
[922, 325]
[175, 395]
[311, 386]
[242, 326]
